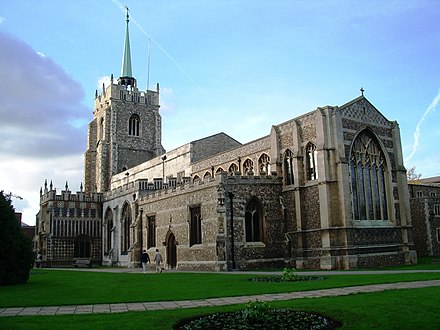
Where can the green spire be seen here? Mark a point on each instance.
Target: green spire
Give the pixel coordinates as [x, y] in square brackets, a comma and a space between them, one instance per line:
[126, 57]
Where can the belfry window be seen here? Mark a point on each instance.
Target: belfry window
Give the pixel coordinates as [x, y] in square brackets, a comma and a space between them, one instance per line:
[195, 226]
[311, 162]
[254, 221]
[288, 168]
[134, 125]
[368, 170]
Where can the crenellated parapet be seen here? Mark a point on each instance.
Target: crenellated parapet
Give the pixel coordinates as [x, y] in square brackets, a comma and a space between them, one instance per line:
[50, 194]
[117, 91]
[145, 189]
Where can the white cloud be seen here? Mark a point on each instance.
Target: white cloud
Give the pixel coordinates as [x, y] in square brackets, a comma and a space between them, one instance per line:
[42, 126]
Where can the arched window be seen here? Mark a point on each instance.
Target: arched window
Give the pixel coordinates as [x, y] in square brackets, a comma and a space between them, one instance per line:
[196, 178]
[254, 221]
[288, 168]
[207, 176]
[82, 246]
[195, 226]
[125, 228]
[264, 164]
[134, 125]
[219, 170]
[232, 169]
[368, 170]
[108, 225]
[311, 162]
[248, 166]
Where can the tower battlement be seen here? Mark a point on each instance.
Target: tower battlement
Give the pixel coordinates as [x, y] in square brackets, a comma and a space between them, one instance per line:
[117, 91]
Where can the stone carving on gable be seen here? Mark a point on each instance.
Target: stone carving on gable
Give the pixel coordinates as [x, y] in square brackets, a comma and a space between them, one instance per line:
[364, 112]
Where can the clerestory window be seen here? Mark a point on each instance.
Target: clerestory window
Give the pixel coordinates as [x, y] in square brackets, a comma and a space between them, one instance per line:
[311, 162]
[288, 168]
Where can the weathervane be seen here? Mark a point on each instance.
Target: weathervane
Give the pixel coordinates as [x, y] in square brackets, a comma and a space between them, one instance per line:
[127, 13]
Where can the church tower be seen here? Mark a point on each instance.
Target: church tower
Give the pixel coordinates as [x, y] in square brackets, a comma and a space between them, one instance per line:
[125, 130]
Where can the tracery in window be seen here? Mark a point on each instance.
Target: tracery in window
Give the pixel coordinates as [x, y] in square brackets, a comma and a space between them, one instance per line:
[195, 226]
[264, 164]
[232, 169]
[207, 176]
[151, 234]
[196, 178]
[288, 168]
[125, 228]
[248, 166]
[368, 170]
[219, 170]
[254, 221]
[311, 162]
[134, 125]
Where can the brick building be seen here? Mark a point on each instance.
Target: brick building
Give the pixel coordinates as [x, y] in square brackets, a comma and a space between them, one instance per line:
[325, 190]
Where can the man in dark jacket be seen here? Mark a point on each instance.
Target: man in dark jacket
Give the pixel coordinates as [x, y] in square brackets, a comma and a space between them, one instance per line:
[145, 258]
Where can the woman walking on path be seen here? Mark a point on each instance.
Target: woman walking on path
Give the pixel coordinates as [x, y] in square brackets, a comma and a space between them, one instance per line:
[158, 260]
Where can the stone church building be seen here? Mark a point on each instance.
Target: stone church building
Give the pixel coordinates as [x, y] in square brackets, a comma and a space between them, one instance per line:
[325, 190]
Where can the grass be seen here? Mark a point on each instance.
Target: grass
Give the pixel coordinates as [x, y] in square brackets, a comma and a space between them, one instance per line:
[64, 287]
[396, 309]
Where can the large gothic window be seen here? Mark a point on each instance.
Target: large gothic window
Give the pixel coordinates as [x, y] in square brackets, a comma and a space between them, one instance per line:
[195, 226]
[125, 229]
[134, 125]
[248, 166]
[254, 221]
[368, 170]
[108, 225]
[264, 164]
[311, 162]
[288, 168]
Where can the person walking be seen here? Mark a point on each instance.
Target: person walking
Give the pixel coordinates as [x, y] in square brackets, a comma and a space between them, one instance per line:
[145, 258]
[158, 260]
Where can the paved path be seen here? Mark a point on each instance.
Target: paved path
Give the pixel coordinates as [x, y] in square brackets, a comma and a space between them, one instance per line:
[162, 305]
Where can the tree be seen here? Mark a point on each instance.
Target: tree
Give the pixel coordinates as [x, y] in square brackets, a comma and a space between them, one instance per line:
[412, 176]
[16, 255]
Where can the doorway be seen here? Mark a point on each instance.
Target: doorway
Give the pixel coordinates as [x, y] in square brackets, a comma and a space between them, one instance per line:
[171, 251]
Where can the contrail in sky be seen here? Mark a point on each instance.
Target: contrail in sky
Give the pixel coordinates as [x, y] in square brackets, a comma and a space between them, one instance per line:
[430, 109]
[122, 8]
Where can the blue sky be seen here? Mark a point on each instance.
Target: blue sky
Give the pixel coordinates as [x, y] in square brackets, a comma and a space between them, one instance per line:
[223, 66]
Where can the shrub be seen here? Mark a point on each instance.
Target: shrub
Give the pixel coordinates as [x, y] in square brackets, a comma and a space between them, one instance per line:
[16, 255]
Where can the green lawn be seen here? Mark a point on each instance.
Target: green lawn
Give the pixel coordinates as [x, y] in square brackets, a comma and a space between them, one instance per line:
[397, 309]
[63, 287]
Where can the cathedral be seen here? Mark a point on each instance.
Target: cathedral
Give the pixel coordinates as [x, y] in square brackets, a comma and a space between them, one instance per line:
[325, 190]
